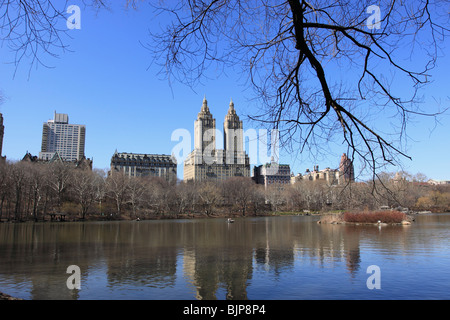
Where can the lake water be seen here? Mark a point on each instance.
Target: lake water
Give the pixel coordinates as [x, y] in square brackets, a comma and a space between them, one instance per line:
[264, 258]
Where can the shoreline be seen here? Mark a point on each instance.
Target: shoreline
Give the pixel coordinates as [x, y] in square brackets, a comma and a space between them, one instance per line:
[168, 217]
[331, 217]
[4, 296]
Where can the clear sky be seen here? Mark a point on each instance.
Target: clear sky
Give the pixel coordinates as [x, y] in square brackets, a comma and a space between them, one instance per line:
[107, 82]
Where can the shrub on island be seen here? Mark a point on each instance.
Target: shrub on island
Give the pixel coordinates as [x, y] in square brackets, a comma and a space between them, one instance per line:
[367, 217]
[374, 217]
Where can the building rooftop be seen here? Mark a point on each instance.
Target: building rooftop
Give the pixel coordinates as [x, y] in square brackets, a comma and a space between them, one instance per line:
[144, 156]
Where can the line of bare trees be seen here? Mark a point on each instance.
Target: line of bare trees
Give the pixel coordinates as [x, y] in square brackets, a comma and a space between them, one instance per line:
[32, 191]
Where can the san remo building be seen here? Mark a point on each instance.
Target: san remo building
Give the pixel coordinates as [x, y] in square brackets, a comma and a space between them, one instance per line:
[206, 162]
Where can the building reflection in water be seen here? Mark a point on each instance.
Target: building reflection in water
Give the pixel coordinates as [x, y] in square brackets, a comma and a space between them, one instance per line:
[213, 259]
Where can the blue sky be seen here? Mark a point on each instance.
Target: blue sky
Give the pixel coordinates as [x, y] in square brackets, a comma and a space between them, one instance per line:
[108, 83]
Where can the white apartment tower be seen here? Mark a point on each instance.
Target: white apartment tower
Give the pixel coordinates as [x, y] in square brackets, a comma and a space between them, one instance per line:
[68, 140]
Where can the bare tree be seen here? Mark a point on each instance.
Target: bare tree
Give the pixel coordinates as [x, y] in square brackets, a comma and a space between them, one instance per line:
[186, 197]
[137, 188]
[273, 195]
[100, 187]
[257, 199]
[293, 196]
[4, 183]
[117, 186]
[59, 175]
[18, 180]
[84, 189]
[239, 191]
[159, 195]
[36, 176]
[322, 70]
[209, 195]
[314, 194]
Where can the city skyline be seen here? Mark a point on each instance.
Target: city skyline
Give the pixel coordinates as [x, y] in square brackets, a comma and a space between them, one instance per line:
[108, 83]
[306, 169]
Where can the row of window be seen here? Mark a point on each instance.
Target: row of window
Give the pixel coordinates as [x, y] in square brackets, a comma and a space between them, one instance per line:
[130, 164]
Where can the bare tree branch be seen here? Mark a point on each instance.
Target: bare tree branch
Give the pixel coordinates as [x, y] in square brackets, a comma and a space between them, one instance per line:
[35, 29]
[320, 74]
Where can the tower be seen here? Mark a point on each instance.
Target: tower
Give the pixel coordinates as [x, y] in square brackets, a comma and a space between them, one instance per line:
[204, 129]
[232, 130]
[346, 171]
[233, 137]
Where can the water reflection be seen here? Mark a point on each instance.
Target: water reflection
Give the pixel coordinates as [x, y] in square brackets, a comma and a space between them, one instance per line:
[196, 259]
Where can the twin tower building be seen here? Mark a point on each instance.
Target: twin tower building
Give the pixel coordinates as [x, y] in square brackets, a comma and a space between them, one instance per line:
[206, 162]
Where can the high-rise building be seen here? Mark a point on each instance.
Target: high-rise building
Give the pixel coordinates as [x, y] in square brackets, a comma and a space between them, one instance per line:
[206, 162]
[138, 165]
[60, 136]
[2, 130]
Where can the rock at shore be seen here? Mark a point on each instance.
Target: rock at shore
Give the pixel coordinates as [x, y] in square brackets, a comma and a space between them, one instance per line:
[4, 296]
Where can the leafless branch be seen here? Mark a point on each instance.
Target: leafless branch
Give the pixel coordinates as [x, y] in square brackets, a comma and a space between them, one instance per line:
[319, 73]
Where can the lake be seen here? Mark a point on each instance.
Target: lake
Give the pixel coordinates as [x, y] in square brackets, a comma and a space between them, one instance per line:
[262, 258]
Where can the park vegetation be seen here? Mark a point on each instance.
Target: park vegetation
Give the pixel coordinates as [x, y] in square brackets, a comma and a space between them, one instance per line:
[33, 191]
[375, 217]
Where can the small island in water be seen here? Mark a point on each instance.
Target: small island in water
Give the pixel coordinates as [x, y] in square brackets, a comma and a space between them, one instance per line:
[382, 217]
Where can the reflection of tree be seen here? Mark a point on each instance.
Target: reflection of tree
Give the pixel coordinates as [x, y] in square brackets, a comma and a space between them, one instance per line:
[154, 268]
[353, 260]
[217, 257]
[275, 250]
[141, 254]
[336, 243]
[218, 265]
[222, 269]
